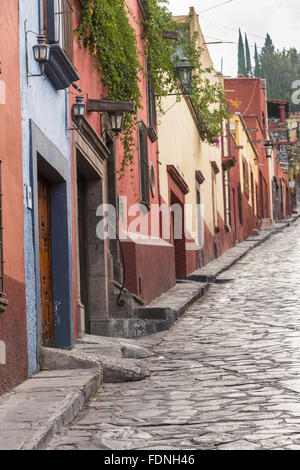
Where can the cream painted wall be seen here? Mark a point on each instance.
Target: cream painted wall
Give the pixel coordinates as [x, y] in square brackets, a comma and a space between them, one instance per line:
[180, 145]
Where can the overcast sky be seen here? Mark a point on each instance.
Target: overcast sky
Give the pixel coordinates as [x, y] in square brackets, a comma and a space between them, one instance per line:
[279, 18]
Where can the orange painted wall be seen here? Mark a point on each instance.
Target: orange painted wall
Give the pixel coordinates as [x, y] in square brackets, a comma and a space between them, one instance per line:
[13, 321]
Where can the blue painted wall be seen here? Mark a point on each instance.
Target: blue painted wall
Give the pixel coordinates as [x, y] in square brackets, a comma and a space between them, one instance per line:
[48, 109]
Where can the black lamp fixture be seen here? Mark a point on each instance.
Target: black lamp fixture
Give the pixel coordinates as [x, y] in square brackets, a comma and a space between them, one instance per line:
[269, 148]
[115, 112]
[41, 52]
[184, 71]
[78, 111]
[116, 119]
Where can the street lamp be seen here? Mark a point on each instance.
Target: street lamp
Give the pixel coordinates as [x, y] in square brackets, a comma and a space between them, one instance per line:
[116, 119]
[269, 148]
[114, 112]
[184, 71]
[41, 52]
[78, 110]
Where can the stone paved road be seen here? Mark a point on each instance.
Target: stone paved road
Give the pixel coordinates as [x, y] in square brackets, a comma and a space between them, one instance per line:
[227, 376]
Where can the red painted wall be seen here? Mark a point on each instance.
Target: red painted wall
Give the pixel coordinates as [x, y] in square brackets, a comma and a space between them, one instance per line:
[13, 321]
[150, 258]
[143, 272]
[141, 279]
[90, 83]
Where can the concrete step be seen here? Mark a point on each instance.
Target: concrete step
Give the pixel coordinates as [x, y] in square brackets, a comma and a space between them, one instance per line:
[33, 412]
[160, 314]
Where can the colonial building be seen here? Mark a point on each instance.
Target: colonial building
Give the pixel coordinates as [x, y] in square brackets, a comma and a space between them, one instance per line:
[115, 274]
[243, 180]
[247, 96]
[278, 111]
[83, 244]
[46, 75]
[138, 195]
[293, 122]
[13, 332]
[192, 176]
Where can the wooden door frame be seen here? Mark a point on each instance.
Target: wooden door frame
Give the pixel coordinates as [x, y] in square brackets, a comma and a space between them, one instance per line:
[54, 167]
[43, 183]
[178, 188]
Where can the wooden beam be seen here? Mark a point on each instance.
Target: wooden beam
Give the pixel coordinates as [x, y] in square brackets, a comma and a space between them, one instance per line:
[106, 106]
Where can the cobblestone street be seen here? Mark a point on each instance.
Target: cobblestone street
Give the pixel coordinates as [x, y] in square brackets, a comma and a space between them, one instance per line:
[227, 375]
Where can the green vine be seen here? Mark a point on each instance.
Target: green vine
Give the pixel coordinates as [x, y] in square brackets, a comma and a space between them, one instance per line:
[207, 97]
[105, 29]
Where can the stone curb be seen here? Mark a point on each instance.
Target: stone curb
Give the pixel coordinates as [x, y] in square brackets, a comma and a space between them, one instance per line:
[66, 415]
[115, 369]
[33, 412]
[212, 277]
[161, 314]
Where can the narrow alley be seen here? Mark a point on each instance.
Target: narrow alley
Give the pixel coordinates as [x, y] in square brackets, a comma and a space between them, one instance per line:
[226, 376]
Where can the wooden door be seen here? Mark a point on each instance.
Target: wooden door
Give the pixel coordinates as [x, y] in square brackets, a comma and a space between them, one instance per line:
[177, 225]
[44, 191]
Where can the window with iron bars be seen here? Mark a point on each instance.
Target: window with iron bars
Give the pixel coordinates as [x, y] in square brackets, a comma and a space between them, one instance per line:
[58, 24]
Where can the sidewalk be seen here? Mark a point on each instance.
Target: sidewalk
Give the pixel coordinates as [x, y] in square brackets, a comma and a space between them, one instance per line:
[33, 412]
[212, 270]
[40, 407]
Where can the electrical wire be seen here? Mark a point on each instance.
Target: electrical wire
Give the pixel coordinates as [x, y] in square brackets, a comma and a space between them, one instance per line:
[232, 29]
[216, 6]
[233, 42]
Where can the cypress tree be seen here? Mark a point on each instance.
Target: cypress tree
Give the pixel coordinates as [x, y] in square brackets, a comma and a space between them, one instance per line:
[257, 69]
[241, 56]
[248, 58]
[269, 46]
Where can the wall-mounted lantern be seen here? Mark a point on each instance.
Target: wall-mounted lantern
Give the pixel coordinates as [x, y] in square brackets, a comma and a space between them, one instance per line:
[116, 120]
[184, 71]
[269, 148]
[114, 110]
[41, 52]
[78, 111]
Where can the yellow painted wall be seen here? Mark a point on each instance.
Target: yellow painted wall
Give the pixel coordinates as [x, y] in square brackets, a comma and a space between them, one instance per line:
[293, 123]
[180, 145]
